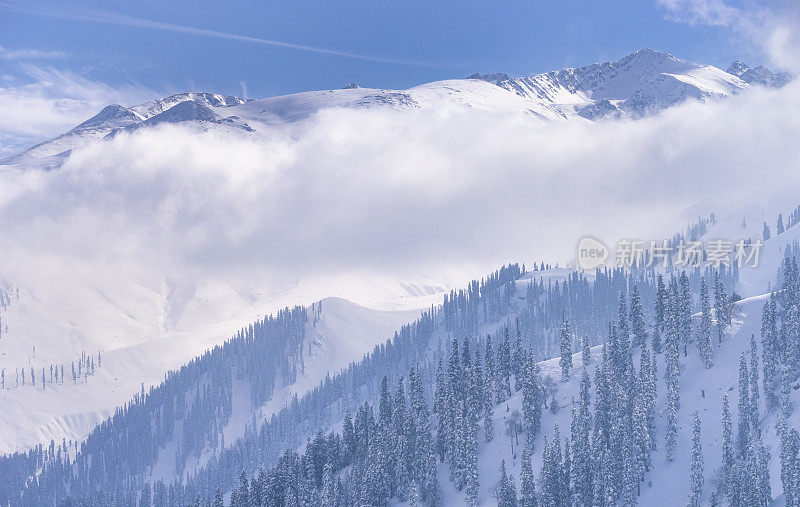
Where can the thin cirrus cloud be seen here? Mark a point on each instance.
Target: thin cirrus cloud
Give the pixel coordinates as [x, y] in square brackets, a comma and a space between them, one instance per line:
[102, 16]
[31, 54]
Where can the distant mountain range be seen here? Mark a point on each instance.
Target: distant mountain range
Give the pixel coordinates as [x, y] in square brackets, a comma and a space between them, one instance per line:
[640, 84]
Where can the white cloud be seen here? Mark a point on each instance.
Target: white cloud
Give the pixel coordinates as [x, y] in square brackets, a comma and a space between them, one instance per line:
[51, 101]
[391, 192]
[772, 24]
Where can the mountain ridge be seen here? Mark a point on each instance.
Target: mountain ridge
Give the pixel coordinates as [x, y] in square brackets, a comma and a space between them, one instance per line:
[640, 84]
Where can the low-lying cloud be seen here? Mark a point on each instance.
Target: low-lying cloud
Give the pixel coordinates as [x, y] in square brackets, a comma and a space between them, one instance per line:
[381, 191]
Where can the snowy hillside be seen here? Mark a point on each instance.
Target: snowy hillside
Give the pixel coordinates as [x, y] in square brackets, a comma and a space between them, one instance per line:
[640, 84]
[142, 353]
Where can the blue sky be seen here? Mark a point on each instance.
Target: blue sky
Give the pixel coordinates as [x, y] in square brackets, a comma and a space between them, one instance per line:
[395, 44]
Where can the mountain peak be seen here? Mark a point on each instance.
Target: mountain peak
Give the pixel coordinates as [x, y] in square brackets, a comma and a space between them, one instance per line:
[113, 115]
[646, 55]
[760, 75]
[737, 68]
[494, 78]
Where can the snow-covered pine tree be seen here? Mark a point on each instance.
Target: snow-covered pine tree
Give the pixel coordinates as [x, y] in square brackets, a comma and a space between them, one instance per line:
[637, 318]
[789, 447]
[517, 358]
[696, 467]
[728, 459]
[602, 404]
[754, 391]
[549, 476]
[672, 421]
[705, 342]
[660, 314]
[641, 436]
[586, 352]
[743, 428]
[720, 306]
[505, 490]
[769, 352]
[328, 486]
[503, 369]
[532, 400]
[403, 454]
[528, 487]
[672, 370]
[471, 461]
[685, 312]
[647, 394]
[566, 351]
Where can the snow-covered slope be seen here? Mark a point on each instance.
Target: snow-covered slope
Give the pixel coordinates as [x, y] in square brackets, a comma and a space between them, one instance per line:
[340, 333]
[639, 84]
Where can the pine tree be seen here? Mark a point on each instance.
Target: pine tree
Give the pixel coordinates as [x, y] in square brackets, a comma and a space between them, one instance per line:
[754, 392]
[762, 475]
[743, 429]
[637, 319]
[720, 307]
[441, 409]
[660, 314]
[218, 502]
[504, 369]
[566, 351]
[532, 399]
[471, 468]
[685, 311]
[641, 437]
[705, 342]
[566, 471]
[769, 352]
[488, 387]
[403, 454]
[348, 440]
[696, 468]
[328, 486]
[789, 447]
[549, 475]
[672, 372]
[581, 469]
[528, 487]
[672, 423]
[727, 446]
[647, 393]
[517, 358]
[506, 491]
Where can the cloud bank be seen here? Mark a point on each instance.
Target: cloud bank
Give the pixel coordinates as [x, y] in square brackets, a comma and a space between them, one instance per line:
[351, 190]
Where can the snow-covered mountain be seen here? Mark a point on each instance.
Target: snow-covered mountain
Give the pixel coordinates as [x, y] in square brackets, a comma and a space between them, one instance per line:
[640, 84]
